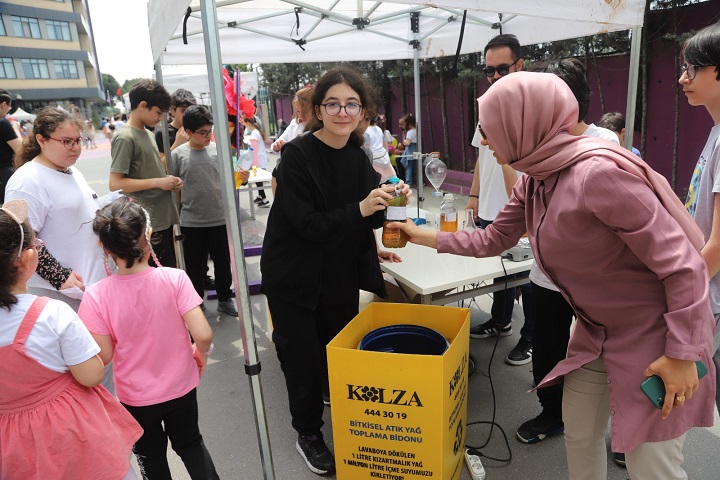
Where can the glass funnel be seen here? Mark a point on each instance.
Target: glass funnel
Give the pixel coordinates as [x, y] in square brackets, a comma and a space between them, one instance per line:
[436, 171]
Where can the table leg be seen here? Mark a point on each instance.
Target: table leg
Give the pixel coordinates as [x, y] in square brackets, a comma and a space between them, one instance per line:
[252, 204]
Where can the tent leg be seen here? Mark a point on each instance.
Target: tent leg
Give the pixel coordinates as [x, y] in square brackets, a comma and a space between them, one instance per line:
[633, 76]
[242, 294]
[416, 84]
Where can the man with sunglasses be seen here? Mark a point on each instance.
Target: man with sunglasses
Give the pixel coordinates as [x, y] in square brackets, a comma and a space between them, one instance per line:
[9, 143]
[488, 194]
[700, 80]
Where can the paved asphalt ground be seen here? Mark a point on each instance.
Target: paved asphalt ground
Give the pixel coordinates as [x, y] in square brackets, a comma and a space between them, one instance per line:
[227, 418]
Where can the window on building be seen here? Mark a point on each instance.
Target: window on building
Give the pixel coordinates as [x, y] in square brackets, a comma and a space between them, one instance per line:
[2, 27]
[34, 68]
[66, 69]
[58, 30]
[26, 27]
[7, 68]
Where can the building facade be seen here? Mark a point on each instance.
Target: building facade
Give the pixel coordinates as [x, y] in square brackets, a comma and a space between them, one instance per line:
[47, 54]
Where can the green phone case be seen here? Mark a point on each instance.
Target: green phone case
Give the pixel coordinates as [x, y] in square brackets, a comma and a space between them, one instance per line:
[654, 388]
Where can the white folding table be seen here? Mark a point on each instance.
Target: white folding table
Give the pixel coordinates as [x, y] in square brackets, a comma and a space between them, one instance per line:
[442, 278]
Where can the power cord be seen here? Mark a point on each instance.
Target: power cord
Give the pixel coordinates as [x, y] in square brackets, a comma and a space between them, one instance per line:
[477, 450]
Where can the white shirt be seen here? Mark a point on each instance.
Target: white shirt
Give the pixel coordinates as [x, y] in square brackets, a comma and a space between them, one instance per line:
[292, 131]
[61, 208]
[374, 140]
[58, 339]
[493, 195]
[261, 150]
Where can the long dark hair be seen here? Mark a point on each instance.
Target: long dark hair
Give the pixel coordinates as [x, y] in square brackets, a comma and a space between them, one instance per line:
[46, 122]
[353, 79]
[122, 227]
[9, 248]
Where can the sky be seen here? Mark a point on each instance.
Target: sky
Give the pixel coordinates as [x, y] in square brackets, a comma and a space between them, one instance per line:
[121, 38]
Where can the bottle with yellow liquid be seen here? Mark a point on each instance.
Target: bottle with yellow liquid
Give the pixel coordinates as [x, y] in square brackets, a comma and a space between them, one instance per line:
[448, 214]
[396, 211]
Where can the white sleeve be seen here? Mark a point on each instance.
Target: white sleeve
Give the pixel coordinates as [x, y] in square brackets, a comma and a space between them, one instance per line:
[60, 339]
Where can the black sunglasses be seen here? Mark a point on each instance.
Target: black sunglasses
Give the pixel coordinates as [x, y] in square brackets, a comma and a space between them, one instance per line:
[502, 70]
[482, 134]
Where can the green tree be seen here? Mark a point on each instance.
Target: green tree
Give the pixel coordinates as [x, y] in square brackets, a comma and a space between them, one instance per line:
[110, 84]
[127, 84]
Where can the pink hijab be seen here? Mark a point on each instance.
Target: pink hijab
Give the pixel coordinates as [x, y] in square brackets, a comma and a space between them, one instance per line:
[527, 117]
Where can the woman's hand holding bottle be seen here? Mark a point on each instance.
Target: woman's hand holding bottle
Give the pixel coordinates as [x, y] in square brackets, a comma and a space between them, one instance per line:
[376, 200]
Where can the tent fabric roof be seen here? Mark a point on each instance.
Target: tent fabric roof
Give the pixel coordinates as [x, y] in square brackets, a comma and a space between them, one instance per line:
[21, 114]
[265, 31]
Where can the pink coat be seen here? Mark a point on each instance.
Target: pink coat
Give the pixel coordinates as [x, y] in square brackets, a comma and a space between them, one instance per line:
[638, 286]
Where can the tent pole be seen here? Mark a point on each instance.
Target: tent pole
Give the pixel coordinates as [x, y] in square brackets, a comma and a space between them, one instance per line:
[242, 294]
[633, 76]
[416, 84]
[177, 233]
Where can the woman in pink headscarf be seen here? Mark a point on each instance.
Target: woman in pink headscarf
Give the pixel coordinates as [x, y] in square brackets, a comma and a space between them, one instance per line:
[614, 238]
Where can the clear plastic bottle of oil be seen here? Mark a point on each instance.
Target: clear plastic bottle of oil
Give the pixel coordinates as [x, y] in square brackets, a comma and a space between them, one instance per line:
[448, 214]
[396, 211]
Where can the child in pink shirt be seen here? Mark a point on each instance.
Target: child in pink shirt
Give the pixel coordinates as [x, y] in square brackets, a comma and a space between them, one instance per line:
[140, 317]
[55, 420]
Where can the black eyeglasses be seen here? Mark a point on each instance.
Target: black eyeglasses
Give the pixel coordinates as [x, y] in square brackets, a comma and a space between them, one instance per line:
[334, 108]
[690, 70]
[70, 143]
[482, 134]
[502, 70]
[204, 133]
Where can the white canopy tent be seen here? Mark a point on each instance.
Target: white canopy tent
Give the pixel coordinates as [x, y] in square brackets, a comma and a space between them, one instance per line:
[291, 31]
[21, 114]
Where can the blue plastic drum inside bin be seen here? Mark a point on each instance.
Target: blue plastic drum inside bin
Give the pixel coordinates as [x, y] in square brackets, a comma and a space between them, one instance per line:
[408, 339]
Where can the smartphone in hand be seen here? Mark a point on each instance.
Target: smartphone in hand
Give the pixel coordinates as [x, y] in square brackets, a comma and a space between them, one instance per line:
[654, 388]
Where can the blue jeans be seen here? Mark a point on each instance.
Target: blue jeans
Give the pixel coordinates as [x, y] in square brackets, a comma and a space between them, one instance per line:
[503, 300]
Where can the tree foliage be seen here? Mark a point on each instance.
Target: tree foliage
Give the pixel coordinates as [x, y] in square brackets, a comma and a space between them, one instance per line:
[127, 84]
[111, 85]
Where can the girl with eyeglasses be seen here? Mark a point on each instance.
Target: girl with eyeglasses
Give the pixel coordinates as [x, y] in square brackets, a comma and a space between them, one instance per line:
[61, 208]
[319, 248]
[55, 421]
[700, 80]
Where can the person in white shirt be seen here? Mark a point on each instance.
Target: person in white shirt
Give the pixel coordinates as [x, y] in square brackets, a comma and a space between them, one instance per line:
[302, 110]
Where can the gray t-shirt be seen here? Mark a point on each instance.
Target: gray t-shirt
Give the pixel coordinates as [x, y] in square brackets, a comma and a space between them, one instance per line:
[201, 200]
[705, 183]
[135, 154]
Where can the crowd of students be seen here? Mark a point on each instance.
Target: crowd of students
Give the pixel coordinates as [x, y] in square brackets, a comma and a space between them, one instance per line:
[89, 292]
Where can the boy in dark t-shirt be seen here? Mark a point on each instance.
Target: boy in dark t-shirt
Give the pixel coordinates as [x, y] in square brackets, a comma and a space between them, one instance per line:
[180, 100]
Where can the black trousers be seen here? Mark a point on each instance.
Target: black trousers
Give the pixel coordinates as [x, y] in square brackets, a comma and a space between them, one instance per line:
[553, 316]
[300, 336]
[503, 301]
[178, 420]
[163, 243]
[198, 243]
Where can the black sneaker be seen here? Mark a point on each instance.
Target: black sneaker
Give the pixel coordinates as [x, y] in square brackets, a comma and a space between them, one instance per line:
[258, 200]
[326, 399]
[535, 430]
[490, 329]
[264, 204]
[318, 457]
[209, 283]
[619, 458]
[521, 354]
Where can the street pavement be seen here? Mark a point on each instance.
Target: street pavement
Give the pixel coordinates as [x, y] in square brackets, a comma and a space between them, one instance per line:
[497, 391]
